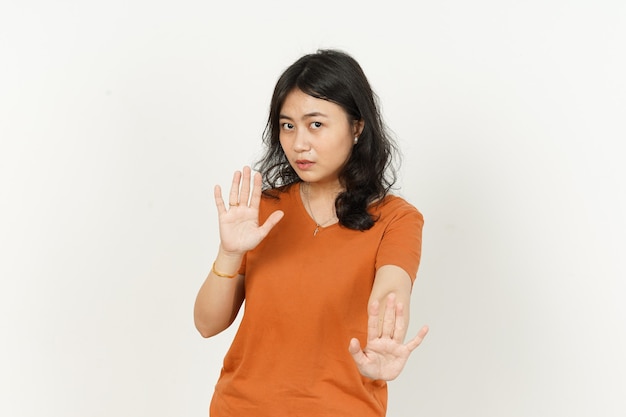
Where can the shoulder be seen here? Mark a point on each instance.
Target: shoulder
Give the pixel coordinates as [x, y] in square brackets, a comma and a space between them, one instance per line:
[393, 208]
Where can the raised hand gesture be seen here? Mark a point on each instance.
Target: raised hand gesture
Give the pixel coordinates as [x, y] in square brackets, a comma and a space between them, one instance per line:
[239, 222]
[385, 354]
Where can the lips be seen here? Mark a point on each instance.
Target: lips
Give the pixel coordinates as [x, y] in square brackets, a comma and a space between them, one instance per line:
[304, 164]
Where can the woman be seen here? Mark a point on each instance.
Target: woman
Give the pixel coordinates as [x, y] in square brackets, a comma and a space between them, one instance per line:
[323, 255]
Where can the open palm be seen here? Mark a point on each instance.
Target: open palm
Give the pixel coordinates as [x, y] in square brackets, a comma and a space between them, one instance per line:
[385, 353]
[239, 223]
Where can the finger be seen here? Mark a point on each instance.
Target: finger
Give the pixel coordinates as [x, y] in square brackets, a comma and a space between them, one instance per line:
[399, 330]
[233, 197]
[373, 330]
[355, 350]
[219, 201]
[244, 194]
[271, 221]
[255, 200]
[417, 340]
[389, 318]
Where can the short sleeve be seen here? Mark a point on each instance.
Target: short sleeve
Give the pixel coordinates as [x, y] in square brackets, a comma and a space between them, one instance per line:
[401, 243]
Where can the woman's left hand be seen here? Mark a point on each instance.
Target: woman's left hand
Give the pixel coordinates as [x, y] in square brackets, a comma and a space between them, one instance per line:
[385, 354]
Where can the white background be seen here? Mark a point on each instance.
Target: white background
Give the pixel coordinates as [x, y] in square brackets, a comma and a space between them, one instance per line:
[117, 118]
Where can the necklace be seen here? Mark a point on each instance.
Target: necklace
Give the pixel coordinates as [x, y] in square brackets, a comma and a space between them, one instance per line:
[308, 203]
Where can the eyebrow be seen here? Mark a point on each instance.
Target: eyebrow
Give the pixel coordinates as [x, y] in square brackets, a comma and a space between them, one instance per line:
[306, 116]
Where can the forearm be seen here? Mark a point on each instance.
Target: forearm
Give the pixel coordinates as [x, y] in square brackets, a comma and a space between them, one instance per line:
[392, 279]
[385, 354]
[219, 298]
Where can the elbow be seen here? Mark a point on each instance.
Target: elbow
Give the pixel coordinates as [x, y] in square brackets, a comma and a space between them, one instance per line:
[209, 329]
[205, 333]
[206, 330]
[210, 323]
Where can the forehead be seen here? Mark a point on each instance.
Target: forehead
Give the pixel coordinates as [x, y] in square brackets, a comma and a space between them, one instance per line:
[298, 104]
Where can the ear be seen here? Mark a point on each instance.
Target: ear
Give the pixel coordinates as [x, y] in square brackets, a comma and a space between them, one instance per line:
[357, 127]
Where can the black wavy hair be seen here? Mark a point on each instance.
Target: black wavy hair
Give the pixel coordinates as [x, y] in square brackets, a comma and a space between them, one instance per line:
[369, 173]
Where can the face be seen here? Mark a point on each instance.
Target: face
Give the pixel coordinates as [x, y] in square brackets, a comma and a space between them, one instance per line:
[316, 136]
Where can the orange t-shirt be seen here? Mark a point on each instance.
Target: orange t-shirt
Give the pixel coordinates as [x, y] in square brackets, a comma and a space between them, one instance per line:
[306, 297]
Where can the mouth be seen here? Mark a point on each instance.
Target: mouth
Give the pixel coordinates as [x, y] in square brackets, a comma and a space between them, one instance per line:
[304, 164]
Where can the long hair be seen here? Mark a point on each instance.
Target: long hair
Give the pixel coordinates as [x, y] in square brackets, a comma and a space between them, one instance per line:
[369, 174]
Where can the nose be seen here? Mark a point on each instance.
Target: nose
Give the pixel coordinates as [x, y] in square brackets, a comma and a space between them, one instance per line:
[301, 141]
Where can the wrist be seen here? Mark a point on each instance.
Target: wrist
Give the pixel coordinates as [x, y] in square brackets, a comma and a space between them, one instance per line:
[222, 274]
[226, 264]
[230, 255]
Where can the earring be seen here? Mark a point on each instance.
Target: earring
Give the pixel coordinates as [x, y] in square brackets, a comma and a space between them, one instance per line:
[356, 140]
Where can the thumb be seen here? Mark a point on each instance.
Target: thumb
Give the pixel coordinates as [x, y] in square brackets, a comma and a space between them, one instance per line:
[417, 340]
[272, 221]
[355, 349]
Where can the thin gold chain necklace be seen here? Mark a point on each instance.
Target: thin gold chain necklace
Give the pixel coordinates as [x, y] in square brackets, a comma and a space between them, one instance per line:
[308, 203]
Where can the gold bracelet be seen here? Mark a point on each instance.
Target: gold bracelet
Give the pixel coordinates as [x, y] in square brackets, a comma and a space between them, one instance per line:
[220, 274]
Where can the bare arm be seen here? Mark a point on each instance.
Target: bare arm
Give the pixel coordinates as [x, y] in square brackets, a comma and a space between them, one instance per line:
[385, 354]
[220, 298]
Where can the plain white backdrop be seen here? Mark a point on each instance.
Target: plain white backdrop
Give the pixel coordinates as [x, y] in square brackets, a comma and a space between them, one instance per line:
[117, 118]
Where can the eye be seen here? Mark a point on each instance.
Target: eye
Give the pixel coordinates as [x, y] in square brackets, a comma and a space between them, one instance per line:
[287, 126]
[316, 125]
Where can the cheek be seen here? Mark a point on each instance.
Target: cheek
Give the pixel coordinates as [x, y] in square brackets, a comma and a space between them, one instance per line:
[342, 152]
[282, 143]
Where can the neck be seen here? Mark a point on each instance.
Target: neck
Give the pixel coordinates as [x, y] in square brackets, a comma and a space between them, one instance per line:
[318, 191]
[320, 203]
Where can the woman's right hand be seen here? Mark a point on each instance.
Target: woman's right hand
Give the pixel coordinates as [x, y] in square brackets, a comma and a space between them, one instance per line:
[239, 223]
